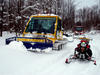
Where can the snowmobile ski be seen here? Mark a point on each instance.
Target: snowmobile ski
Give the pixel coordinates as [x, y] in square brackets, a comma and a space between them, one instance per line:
[72, 58]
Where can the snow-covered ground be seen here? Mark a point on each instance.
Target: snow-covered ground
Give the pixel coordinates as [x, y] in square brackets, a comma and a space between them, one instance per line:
[16, 60]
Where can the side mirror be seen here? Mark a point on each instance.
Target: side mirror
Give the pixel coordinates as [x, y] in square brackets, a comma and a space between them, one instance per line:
[66, 35]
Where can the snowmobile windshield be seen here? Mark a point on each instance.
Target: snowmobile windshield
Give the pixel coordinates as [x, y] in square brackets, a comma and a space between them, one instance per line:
[41, 25]
[79, 28]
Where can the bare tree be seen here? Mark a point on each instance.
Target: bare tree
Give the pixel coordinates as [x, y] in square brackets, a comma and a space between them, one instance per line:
[3, 15]
[89, 17]
[69, 14]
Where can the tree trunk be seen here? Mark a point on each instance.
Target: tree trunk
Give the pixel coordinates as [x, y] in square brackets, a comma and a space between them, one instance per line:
[1, 21]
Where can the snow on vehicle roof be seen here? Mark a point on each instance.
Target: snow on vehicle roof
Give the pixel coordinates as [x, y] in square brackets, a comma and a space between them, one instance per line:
[46, 15]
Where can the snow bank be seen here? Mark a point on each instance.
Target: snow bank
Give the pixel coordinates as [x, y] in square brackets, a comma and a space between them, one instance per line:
[17, 46]
[15, 61]
[70, 39]
[5, 36]
[47, 50]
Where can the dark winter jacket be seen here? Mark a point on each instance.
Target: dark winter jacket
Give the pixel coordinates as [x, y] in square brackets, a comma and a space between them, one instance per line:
[85, 54]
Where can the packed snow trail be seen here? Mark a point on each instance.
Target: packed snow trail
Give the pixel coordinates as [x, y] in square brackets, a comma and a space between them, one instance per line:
[16, 60]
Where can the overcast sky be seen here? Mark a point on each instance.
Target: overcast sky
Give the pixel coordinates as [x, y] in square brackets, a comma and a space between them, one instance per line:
[85, 3]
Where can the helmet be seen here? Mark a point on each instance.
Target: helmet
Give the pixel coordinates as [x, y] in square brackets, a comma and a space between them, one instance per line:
[86, 41]
[83, 44]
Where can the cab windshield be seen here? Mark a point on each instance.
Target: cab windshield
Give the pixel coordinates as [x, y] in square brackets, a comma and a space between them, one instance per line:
[79, 28]
[41, 25]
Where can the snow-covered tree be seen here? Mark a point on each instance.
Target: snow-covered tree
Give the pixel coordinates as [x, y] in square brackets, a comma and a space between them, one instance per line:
[15, 15]
[3, 15]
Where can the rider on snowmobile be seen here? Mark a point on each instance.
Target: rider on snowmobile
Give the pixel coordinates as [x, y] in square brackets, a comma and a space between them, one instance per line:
[83, 51]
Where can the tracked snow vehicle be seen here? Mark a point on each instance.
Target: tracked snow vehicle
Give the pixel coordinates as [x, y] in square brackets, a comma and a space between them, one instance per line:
[42, 31]
[78, 30]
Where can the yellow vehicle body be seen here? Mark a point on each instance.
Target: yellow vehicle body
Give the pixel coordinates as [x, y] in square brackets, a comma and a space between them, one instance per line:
[42, 31]
[59, 37]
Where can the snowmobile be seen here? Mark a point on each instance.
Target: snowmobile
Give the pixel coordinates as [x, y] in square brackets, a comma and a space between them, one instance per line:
[73, 59]
[42, 31]
[82, 52]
